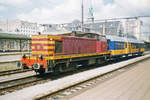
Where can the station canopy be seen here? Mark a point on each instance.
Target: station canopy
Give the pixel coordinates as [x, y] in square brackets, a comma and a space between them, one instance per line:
[13, 36]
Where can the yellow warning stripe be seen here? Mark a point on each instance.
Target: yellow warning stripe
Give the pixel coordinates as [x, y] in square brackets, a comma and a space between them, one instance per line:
[48, 47]
[44, 47]
[46, 36]
[42, 52]
[33, 47]
[44, 42]
[118, 52]
[74, 56]
[70, 56]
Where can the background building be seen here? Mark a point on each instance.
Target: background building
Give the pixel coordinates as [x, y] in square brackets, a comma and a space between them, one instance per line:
[128, 27]
[19, 27]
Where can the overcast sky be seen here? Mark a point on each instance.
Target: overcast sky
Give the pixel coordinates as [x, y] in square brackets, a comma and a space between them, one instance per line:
[63, 11]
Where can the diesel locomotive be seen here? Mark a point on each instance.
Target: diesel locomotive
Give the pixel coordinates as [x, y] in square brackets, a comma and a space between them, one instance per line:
[60, 53]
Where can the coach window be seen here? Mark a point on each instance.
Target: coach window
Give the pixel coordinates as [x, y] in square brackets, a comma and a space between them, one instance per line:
[58, 46]
[125, 45]
[138, 46]
[120, 45]
[135, 45]
[141, 45]
[116, 46]
[132, 45]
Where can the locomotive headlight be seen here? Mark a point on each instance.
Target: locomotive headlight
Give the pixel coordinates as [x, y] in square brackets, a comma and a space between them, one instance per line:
[40, 57]
[36, 66]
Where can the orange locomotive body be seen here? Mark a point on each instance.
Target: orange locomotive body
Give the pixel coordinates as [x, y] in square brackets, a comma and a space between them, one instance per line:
[58, 53]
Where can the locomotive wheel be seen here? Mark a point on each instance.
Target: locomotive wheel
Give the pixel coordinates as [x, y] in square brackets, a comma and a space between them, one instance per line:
[41, 71]
[56, 69]
[24, 66]
[60, 69]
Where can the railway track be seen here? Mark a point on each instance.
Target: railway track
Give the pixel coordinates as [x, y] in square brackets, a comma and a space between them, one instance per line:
[10, 72]
[67, 93]
[16, 84]
[19, 83]
[12, 85]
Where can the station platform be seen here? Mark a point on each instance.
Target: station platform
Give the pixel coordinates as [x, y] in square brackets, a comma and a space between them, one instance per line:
[10, 58]
[6, 57]
[133, 84]
[12, 53]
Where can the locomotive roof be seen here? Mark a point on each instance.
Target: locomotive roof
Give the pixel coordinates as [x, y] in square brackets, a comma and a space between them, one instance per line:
[77, 33]
[123, 39]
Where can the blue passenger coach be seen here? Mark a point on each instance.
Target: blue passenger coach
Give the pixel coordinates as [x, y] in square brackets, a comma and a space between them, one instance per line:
[122, 46]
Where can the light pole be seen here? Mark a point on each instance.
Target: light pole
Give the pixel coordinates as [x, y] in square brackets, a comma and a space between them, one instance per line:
[82, 16]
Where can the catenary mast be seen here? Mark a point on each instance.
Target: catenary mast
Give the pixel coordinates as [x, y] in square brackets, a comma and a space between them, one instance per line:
[82, 17]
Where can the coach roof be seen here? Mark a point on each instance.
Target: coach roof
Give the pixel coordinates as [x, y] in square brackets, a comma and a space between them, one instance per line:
[116, 38]
[123, 39]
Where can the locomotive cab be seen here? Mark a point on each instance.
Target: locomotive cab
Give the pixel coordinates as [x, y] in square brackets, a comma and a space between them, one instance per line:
[42, 47]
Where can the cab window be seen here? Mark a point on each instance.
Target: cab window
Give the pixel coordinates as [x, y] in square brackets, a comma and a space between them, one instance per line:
[58, 46]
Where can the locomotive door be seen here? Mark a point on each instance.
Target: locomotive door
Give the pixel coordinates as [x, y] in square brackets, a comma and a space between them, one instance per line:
[108, 45]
